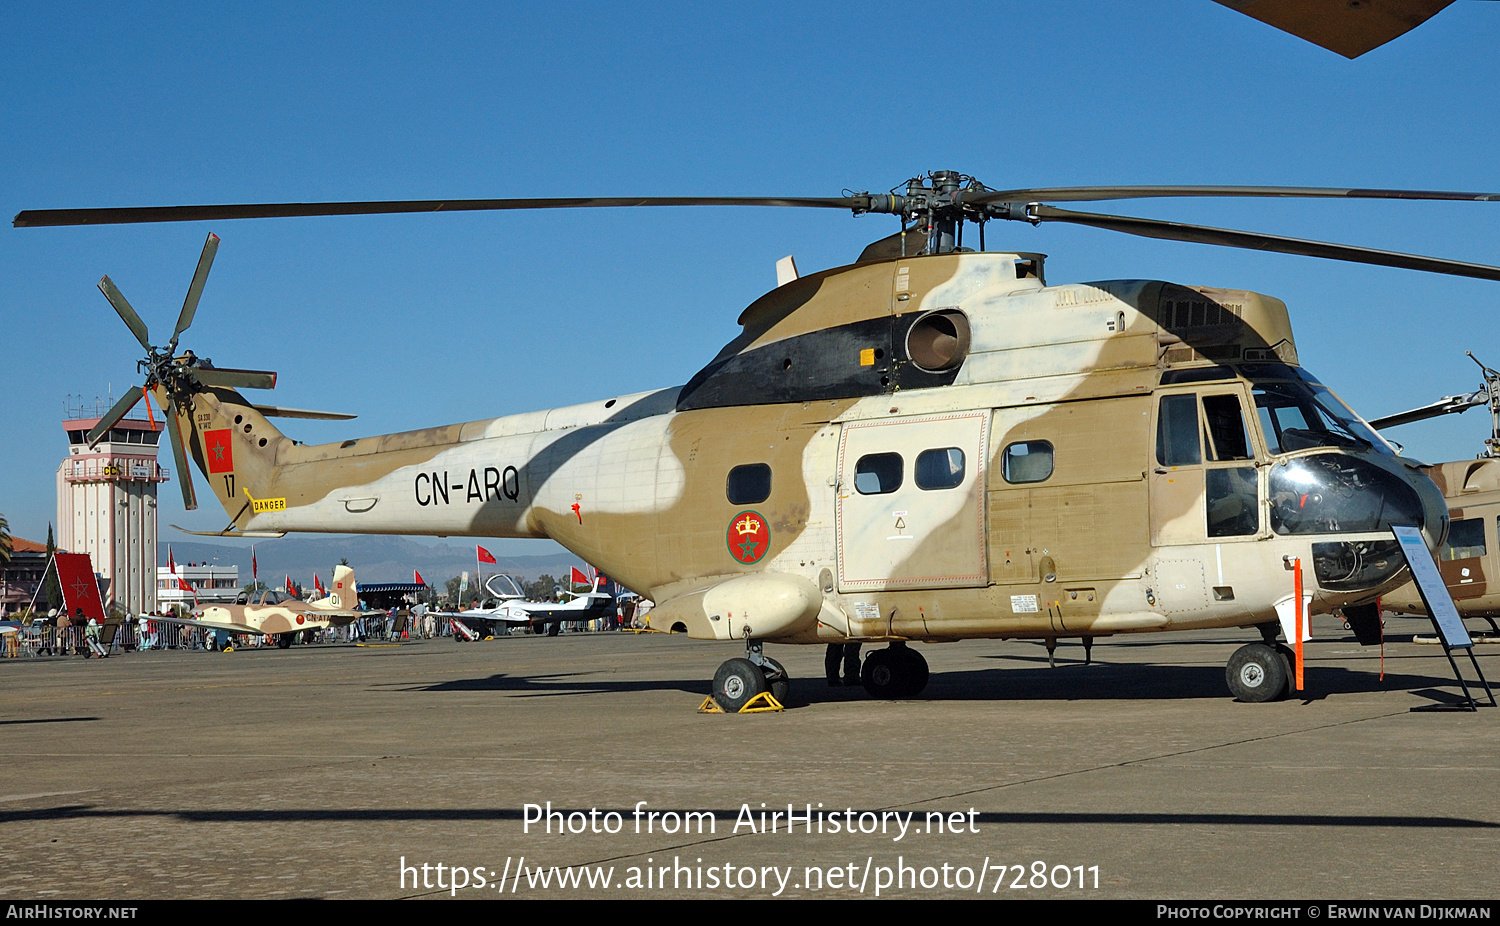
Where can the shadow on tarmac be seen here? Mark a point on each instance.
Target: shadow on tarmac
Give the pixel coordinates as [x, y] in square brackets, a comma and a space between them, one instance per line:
[1068, 681]
[727, 817]
[7, 723]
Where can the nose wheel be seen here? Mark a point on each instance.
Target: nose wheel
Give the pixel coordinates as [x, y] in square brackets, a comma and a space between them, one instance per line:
[739, 680]
[894, 672]
[1258, 673]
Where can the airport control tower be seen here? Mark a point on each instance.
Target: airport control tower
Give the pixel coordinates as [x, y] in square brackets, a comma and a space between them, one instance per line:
[106, 504]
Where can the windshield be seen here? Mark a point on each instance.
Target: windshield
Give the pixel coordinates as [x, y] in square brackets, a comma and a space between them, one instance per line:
[1296, 416]
[1335, 493]
[503, 586]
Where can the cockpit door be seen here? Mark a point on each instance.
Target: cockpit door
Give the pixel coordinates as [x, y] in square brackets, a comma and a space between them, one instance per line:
[1204, 485]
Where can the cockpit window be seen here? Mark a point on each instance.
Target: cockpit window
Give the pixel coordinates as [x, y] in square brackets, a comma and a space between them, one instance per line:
[1225, 437]
[1296, 416]
[1177, 431]
[1336, 493]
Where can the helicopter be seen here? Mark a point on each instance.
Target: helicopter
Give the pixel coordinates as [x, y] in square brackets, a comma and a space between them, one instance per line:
[1467, 559]
[930, 444]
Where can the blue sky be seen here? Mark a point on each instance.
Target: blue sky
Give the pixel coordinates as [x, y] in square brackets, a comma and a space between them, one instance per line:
[411, 321]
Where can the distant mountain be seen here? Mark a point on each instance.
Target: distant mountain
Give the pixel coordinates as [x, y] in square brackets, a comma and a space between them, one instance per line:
[374, 558]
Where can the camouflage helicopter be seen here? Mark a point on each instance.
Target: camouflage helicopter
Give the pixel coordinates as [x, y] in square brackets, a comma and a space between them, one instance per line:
[904, 449]
[1469, 559]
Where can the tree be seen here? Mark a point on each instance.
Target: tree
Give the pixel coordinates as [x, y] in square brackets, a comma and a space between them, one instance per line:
[53, 588]
[4, 540]
[541, 589]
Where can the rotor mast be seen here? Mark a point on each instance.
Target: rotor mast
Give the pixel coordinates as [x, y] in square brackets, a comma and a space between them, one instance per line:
[936, 204]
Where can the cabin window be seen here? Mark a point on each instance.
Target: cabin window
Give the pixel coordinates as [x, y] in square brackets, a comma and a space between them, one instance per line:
[1465, 539]
[940, 469]
[1177, 431]
[878, 473]
[1027, 461]
[749, 484]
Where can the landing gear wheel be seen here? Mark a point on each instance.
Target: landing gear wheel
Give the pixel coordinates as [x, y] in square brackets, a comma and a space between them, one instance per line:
[882, 674]
[913, 669]
[777, 681]
[736, 682]
[1257, 673]
[283, 641]
[1289, 654]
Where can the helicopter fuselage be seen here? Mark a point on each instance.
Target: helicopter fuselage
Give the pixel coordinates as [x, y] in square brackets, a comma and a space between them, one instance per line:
[928, 448]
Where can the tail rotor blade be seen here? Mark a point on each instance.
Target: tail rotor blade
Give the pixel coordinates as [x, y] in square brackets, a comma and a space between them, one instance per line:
[127, 314]
[236, 379]
[179, 457]
[117, 411]
[195, 289]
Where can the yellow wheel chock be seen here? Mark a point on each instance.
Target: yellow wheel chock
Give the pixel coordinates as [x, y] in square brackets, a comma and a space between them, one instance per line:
[759, 704]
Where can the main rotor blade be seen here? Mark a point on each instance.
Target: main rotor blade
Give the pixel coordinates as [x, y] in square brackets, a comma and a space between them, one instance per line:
[1348, 28]
[1084, 194]
[195, 289]
[38, 218]
[275, 411]
[179, 457]
[1256, 241]
[1447, 405]
[126, 313]
[236, 379]
[117, 411]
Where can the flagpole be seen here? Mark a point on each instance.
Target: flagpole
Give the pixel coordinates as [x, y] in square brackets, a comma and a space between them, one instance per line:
[51, 564]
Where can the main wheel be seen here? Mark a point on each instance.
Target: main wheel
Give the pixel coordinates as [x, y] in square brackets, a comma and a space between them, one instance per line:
[882, 674]
[736, 682]
[915, 670]
[777, 681]
[283, 641]
[1257, 673]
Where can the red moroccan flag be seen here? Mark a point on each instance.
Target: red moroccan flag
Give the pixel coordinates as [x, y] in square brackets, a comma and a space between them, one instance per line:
[417, 576]
[75, 573]
[483, 555]
[218, 451]
[289, 587]
[318, 584]
[578, 578]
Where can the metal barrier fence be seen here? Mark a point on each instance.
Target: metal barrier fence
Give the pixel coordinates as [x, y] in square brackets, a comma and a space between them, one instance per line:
[47, 640]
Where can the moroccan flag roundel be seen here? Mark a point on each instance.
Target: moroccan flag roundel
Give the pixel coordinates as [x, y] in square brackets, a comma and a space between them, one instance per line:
[748, 537]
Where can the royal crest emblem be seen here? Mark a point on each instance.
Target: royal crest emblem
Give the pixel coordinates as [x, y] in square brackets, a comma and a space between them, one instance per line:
[748, 537]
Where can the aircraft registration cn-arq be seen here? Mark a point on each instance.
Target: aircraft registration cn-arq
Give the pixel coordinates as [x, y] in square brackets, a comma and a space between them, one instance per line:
[929, 444]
